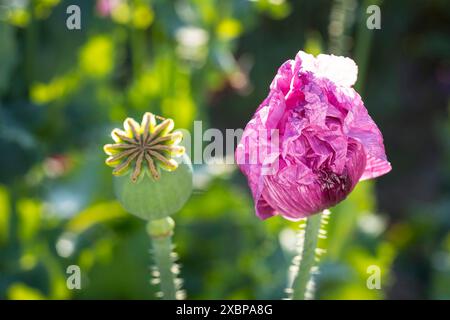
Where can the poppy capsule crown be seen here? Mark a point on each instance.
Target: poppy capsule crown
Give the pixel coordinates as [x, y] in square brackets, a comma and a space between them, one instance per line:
[152, 173]
[148, 144]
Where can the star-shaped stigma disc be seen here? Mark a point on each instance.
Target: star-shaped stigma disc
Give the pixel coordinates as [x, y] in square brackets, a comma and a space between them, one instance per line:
[147, 144]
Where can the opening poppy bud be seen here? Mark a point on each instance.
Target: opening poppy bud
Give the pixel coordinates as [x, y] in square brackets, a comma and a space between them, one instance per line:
[327, 142]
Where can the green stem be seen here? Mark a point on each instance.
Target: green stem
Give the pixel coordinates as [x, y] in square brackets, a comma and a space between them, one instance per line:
[136, 51]
[30, 49]
[161, 232]
[363, 45]
[340, 23]
[137, 42]
[307, 255]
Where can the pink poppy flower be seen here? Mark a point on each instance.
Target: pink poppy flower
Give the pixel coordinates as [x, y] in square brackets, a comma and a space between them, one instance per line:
[311, 140]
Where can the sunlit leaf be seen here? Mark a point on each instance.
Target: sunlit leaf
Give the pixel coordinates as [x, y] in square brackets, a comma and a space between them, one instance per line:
[20, 291]
[96, 57]
[98, 213]
[30, 212]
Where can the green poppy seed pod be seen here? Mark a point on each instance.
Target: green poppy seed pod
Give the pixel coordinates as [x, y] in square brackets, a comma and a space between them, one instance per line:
[152, 173]
[151, 199]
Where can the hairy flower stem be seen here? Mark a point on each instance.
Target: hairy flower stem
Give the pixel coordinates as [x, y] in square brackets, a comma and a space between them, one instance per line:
[162, 248]
[161, 232]
[307, 257]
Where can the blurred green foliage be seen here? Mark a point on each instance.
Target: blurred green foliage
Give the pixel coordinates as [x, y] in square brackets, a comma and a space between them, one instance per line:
[61, 92]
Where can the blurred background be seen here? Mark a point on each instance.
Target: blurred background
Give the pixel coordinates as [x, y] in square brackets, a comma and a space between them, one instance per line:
[62, 91]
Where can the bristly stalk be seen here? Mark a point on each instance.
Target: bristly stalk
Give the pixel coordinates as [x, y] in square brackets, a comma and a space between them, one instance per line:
[165, 271]
[304, 265]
